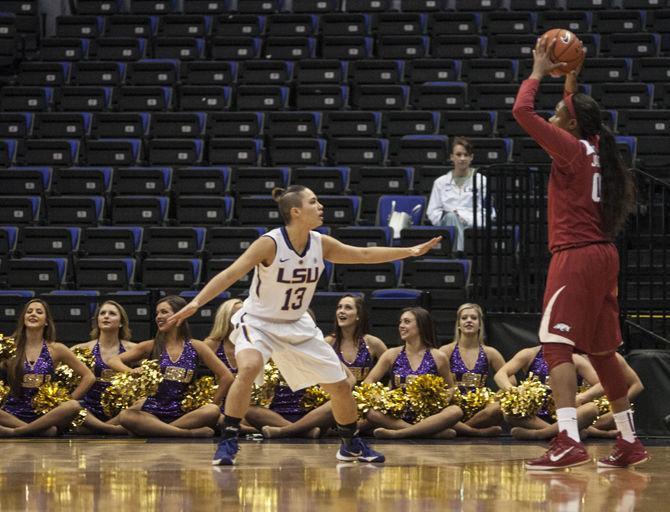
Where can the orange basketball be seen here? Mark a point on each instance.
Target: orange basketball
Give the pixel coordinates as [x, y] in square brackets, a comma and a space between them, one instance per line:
[568, 48]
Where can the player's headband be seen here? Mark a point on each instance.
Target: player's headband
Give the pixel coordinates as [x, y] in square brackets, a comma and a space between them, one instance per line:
[567, 99]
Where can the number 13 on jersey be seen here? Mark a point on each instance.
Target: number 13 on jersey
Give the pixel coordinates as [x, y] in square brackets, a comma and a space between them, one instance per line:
[293, 299]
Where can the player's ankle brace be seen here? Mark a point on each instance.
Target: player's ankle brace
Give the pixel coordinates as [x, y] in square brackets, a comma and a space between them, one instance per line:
[556, 354]
[231, 427]
[610, 374]
[347, 432]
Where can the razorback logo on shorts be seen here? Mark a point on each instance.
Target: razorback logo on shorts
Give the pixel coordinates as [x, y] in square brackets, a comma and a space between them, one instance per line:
[562, 327]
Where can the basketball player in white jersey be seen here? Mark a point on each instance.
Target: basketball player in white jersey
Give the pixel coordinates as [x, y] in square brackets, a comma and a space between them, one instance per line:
[273, 321]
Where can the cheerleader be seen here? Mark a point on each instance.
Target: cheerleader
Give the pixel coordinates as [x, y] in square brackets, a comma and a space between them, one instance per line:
[178, 355]
[418, 356]
[531, 360]
[470, 361]
[357, 350]
[110, 335]
[35, 361]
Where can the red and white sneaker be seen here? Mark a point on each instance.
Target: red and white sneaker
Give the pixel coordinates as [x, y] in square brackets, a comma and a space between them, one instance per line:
[563, 452]
[625, 454]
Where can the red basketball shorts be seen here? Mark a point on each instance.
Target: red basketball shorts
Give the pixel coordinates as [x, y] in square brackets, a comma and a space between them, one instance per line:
[580, 300]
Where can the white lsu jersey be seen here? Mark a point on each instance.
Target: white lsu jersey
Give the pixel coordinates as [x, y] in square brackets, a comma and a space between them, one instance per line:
[284, 289]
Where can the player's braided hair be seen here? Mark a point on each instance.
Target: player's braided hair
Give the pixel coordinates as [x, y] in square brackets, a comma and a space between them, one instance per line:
[617, 186]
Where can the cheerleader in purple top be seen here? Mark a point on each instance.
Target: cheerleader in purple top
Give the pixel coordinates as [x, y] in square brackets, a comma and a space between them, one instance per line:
[542, 425]
[160, 415]
[357, 350]
[37, 355]
[418, 356]
[470, 362]
[110, 334]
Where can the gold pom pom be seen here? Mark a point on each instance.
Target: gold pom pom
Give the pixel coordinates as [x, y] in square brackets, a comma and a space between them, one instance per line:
[526, 399]
[67, 376]
[427, 395]
[150, 378]
[7, 347]
[49, 396]
[4, 391]
[78, 420]
[263, 395]
[121, 393]
[473, 400]
[85, 355]
[314, 397]
[394, 402]
[200, 392]
[367, 396]
[603, 405]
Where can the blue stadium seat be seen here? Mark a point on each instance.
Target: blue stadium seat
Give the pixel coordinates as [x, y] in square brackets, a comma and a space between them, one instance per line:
[153, 72]
[368, 5]
[385, 307]
[364, 236]
[258, 210]
[98, 6]
[252, 180]
[64, 49]
[376, 71]
[345, 124]
[172, 125]
[489, 70]
[287, 25]
[397, 124]
[320, 71]
[182, 48]
[432, 70]
[184, 25]
[628, 95]
[48, 241]
[16, 125]
[25, 180]
[403, 23]
[73, 312]
[292, 124]
[118, 125]
[171, 273]
[322, 180]
[235, 151]
[143, 98]
[235, 25]
[20, 210]
[142, 180]
[296, 151]
[208, 72]
[153, 6]
[63, 152]
[357, 151]
[345, 24]
[123, 49]
[231, 241]
[261, 97]
[321, 97]
[139, 210]
[442, 95]
[75, 210]
[347, 47]
[380, 97]
[369, 277]
[49, 125]
[419, 150]
[79, 26]
[82, 181]
[375, 181]
[234, 124]
[24, 98]
[468, 123]
[445, 280]
[104, 152]
[459, 46]
[201, 180]
[340, 210]
[111, 241]
[43, 73]
[131, 25]
[204, 210]
[37, 273]
[105, 273]
[175, 151]
[265, 72]
[234, 48]
[402, 46]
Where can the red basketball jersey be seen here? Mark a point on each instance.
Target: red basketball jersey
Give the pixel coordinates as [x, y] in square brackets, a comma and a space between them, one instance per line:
[574, 198]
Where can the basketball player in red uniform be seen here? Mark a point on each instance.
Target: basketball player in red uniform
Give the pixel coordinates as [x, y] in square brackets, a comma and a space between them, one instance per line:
[591, 193]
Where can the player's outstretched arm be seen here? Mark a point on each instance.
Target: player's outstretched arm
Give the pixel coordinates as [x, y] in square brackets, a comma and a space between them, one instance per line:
[337, 252]
[261, 251]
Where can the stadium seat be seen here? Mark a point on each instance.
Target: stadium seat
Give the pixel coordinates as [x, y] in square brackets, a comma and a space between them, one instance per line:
[369, 277]
[37, 273]
[139, 210]
[171, 273]
[75, 210]
[400, 123]
[345, 124]
[203, 210]
[252, 180]
[322, 180]
[172, 125]
[11, 302]
[231, 241]
[153, 72]
[374, 71]
[25, 181]
[265, 72]
[296, 151]
[293, 124]
[142, 180]
[357, 151]
[20, 210]
[140, 308]
[469, 124]
[385, 307]
[201, 181]
[204, 97]
[81, 181]
[118, 125]
[110, 241]
[48, 241]
[73, 311]
[234, 124]
[105, 273]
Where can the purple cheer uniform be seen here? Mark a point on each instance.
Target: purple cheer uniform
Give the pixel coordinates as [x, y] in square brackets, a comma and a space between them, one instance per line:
[34, 376]
[402, 374]
[288, 403]
[362, 363]
[177, 375]
[466, 378]
[103, 378]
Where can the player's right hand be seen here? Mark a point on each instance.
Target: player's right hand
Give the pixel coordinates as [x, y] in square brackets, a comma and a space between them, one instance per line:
[189, 310]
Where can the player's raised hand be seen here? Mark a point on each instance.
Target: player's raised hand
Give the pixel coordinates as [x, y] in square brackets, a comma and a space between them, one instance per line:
[189, 310]
[421, 249]
[542, 63]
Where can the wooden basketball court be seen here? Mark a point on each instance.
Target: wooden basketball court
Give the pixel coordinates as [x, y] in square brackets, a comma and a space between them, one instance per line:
[137, 475]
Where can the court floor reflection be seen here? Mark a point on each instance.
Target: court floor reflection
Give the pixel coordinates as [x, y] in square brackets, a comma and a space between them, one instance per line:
[133, 475]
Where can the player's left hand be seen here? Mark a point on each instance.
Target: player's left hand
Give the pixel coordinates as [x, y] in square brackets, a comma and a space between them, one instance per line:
[421, 249]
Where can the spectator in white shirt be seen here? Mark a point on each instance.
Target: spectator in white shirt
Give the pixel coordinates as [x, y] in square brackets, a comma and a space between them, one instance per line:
[451, 200]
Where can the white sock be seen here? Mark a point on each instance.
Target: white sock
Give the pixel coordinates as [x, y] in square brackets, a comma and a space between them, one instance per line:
[625, 425]
[567, 420]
